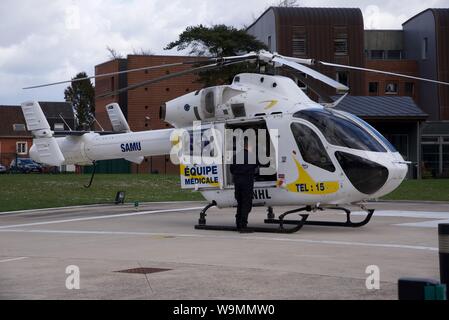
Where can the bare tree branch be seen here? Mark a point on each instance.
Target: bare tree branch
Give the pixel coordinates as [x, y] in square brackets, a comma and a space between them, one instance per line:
[114, 54]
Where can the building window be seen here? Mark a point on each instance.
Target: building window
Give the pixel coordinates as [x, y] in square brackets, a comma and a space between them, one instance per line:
[373, 88]
[299, 46]
[343, 77]
[428, 139]
[435, 157]
[22, 148]
[18, 127]
[299, 41]
[391, 88]
[269, 43]
[425, 48]
[394, 54]
[341, 46]
[445, 158]
[112, 83]
[409, 89]
[377, 54]
[59, 127]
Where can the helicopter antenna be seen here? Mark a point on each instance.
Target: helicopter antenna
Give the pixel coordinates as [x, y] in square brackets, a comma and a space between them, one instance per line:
[62, 118]
[99, 124]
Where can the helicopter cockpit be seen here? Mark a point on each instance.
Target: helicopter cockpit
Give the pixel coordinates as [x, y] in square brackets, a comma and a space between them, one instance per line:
[343, 140]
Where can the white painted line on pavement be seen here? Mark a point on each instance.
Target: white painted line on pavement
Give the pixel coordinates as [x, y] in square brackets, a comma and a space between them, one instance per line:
[236, 237]
[407, 214]
[52, 209]
[94, 205]
[99, 217]
[13, 259]
[423, 224]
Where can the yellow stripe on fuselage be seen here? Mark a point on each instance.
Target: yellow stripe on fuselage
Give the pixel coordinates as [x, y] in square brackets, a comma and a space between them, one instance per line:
[271, 104]
[307, 185]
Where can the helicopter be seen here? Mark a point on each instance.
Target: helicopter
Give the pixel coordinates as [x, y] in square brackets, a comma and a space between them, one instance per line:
[316, 157]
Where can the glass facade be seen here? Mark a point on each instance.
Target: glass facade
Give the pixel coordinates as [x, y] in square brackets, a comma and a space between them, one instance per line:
[435, 157]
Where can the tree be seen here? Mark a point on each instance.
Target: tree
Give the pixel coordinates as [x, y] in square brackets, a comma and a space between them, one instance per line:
[81, 94]
[288, 3]
[218, 41]
[114, 54]
[143, 52]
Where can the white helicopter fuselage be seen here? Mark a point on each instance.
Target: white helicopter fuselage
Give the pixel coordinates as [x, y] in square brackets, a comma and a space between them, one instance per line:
[340, 174]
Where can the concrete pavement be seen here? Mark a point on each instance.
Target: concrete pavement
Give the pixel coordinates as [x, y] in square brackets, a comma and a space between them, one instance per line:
[316, 263]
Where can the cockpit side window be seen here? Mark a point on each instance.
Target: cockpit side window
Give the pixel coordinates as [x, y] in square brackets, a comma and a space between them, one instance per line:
[311, 148]
[340, 131]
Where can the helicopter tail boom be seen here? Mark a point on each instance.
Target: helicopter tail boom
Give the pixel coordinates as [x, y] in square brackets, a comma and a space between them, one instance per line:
[84, 148]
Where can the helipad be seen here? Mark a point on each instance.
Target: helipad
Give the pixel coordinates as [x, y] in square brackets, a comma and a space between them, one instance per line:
[315, 263]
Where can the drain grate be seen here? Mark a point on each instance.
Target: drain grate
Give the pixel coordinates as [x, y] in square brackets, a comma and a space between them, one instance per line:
[143, 270]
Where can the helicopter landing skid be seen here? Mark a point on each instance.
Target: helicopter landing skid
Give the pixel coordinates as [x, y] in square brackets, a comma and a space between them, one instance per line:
[348, 224]
[203, 226]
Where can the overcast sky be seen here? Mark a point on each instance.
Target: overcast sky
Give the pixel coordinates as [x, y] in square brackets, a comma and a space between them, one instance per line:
[46, 40]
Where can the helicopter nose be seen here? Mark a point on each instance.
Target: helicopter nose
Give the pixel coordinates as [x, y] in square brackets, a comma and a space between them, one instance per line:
[397, 172]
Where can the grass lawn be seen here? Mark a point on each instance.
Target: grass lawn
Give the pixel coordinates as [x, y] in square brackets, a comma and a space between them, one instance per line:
[35, 191]
[427, 189]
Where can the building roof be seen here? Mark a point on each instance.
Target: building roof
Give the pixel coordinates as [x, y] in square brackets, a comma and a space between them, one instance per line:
[54, 109]
[438, 13]
[311, 16]
[381, 107]
[11, 115]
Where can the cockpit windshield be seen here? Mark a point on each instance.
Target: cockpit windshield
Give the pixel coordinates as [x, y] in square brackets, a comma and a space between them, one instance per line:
[370, 128]
[341, 131]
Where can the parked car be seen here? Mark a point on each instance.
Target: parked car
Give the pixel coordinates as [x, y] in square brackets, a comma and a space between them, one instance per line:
[25, 165]
[3, 169]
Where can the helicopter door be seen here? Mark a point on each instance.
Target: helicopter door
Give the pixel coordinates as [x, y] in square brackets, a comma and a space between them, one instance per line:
[201, 159]
[304, 163]
[266, 152]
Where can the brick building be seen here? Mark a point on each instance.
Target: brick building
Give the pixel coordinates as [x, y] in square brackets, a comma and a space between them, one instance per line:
[15, 140]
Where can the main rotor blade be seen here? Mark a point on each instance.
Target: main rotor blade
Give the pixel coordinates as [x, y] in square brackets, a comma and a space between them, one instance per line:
[169, 76]
[312, 73]
[116, 73]
[309, 62]
[381, 72]
[248, 56]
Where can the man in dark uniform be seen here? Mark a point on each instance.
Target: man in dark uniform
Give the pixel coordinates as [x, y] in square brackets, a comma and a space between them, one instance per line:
[243, 170]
